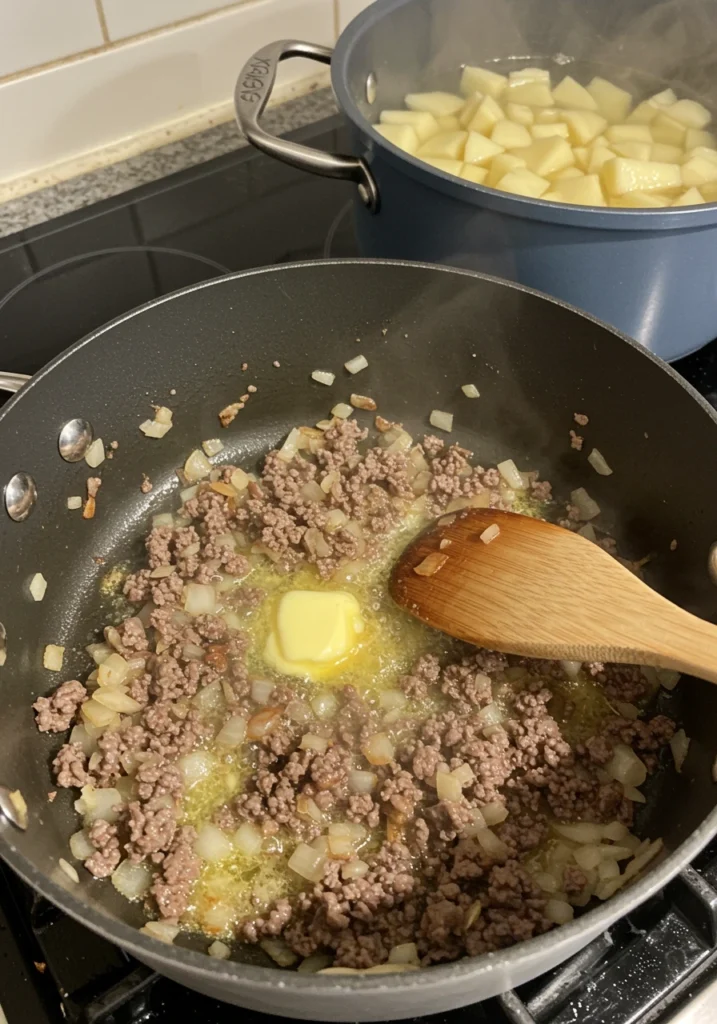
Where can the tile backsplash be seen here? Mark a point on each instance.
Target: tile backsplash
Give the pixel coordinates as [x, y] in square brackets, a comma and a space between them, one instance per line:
[81, 75]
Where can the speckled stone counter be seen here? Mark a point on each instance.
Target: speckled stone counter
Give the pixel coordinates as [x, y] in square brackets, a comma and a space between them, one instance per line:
[46, 203]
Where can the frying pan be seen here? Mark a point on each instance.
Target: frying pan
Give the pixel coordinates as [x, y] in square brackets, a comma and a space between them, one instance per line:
[535, 362]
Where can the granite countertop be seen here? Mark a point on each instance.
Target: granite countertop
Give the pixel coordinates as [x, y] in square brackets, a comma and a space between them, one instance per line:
[85, 189]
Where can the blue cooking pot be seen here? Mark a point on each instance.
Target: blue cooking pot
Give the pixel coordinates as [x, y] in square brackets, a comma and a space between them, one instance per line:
[652, 273]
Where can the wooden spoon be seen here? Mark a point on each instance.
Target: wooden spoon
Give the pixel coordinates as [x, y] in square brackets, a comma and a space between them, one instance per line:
[541, 591]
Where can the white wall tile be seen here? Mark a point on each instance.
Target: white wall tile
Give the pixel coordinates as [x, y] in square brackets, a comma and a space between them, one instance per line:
[67, 110]
[348, 9]
[36, 32]
[130, 17]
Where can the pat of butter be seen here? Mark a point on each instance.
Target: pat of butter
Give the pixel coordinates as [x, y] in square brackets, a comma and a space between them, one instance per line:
[314, 631]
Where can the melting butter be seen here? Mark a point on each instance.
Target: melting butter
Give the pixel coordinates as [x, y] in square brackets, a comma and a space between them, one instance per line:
[314, 633]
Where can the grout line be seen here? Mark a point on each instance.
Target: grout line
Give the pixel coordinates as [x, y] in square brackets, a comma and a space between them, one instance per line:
[117, 43]
[102, 20]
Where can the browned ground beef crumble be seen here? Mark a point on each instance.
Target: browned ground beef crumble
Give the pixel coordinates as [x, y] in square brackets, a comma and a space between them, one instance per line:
[425, 878]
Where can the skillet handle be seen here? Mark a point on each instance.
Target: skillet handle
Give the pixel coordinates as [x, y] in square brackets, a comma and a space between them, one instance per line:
[12, 381]
[251, 94]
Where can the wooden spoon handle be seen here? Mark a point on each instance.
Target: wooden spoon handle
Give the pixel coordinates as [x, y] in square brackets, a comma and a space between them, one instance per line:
[685, 643]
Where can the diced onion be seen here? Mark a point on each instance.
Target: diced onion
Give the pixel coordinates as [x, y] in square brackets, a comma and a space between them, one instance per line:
[97, 714]
[324, 705]
[151, 428]
[81, 736]
[210, 699]
[356, 364]
[586, 506]
[298, 711]
[441, 420]
[248, 839]
[38, 586]
[163, 519]
[99, 803]
[162, 930]
[310, 741]
[627, 710]
[307, 807]
[430, 564]
[492, 844]
[239, 480]
[494, 813]
[218, 918]
[341, 840]
[335, 518]
[112, 670]
[588, 857]
[212, 446]
[308, 863]
[571, 668]
[197, 467]
[200, 599]
[354, 869]
[588, 532]
[115, 698]
[626, 767]
[80, 845]
[323, 377]
[211, 844]
[99, 652]
[279, 951]
[490, 533]
[378, 749]
[679, 745]
[261, 690]
[634, 794]
[558, 911]
[131, 880]
[608, 869]
[612, 851]
[478, 824]
[464, 774]
[362, 781]
[391, 699]
[668, 678]
[448, 786]
[342, 410]
[470, 391]
[597, 461]
[315, 963]
[582, 832]
[406, 953]
[69, 870]
[52, 657]
[162, 414]
[615, 831]
[188, 493]
[74, 502]
[547, 882]
[491, 714]
[95, 454]
[511, 474]
[262, 723]
[196, 766]
[219, 950]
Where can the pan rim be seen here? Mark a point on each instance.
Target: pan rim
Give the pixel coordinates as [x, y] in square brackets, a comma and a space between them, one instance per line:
[259, 978]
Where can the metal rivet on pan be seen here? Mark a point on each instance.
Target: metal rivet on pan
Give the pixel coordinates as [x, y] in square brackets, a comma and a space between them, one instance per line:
[371, 87]
[712, 563]
[74, 440]
[20, 496]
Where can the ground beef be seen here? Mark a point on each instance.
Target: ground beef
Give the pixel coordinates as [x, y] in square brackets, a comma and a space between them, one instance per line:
[179, 870]
[576, 441]
[103, 837]
[426, 672]
[56, 712]
[70, 766]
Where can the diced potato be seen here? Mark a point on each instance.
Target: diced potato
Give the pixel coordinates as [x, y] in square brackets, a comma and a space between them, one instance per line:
[599, 155]
[709, 191]
[486, 116]
[547, 131]
[479, 149]
[441, 164]
[693, 138]
[509, 135]
[612, 102]
[582, 156]
[706, 151]
[523, 182]
[446, 145]
[467, 111]
[640, 200]
[548, 115]
[584, 125]
[401, 135]
[475, 174]
[585, 191]
[601, 140]
[629, 132]
[546, 156]
[662, 151]
[533, 94]
[622, 175]
[448, 123]
[633, 149]
[692, 197]
[423, 123]
[647, 111]
[439, 104]
[482, 80]
[690, 113]
[528, 75]
[567, 172]
[696, 170]
[521, 114]
[666, 129]
[500, 167]
[573, 96]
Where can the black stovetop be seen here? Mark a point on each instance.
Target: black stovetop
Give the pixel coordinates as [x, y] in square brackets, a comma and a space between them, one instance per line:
[62, 279]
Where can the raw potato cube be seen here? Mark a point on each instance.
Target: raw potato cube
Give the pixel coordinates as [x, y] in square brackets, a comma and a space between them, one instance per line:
[482, 80]
[629, 132]
[401, 135]
[582, 156]
[475, 174]
[441, 164]
[599, 155]
[584, 191]
[573, 96]
[666, 153]
[706, 151]
[448, 123]
[509, 135]
[500, 167]
[690, 113]
[446, 145]
[584, 125]
[647, 111]
[692, 197]
[468, 110]
[546, 156]
[635, 150]
[488, 114]
[528, 75]
[533, 94]
[637, 200]
[479, 149]
[666, 129]
[547, 131]
[696, 170]
[709, 191]
[567, 172]
[600, 140]
[523, 182]
[437, 103]
[612, 102]
[521, 114]
[423, 123]
[693, 138]
[622, 175]
[548, 115]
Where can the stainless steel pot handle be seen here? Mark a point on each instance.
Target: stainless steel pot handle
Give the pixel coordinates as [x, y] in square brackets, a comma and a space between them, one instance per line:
[12, 381]
[251, 94]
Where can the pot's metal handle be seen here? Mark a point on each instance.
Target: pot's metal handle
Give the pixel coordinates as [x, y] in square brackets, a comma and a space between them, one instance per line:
[251, 94]
[12, 381]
